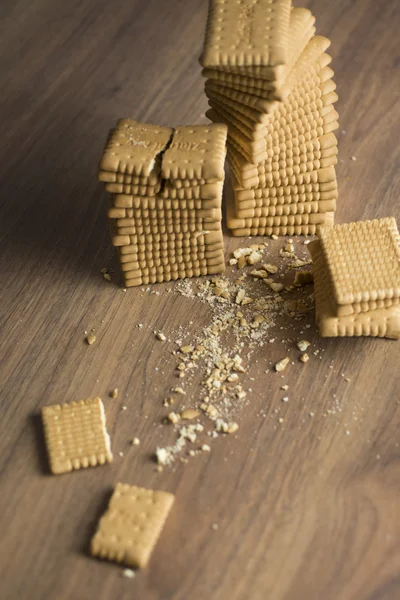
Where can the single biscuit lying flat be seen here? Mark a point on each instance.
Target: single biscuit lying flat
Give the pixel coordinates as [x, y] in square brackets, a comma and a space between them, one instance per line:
[128, 531]
[76, 435]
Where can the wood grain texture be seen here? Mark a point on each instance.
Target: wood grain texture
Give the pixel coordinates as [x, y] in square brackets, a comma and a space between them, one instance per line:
[304, 511]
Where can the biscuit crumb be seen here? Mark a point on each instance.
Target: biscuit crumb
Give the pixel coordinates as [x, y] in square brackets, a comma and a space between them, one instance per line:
[107, 276]
[174, 418]
[232, 427]
[282, 364]
[214, 526]
[353, 158]
[114, 393]
[178, 390]
[186, 349]
[304, 357]
[91, 339]
[206, 448]
[189, 413]
[160, 336]
[128, 573]
[303, 345]
[135, 441]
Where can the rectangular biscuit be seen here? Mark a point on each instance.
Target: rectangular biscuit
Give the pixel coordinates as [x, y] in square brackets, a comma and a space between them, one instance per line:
[247, 34]
[196, 152]
[76, 435]
[381, 322]
[129, 530]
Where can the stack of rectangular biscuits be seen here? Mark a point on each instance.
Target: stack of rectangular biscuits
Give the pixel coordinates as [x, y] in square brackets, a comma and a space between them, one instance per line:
[269, 81]
[166, 188]
[356, 270]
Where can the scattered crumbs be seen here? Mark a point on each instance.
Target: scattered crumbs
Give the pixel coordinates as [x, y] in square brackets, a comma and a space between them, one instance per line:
[135, 441]
[90, 339]
[128, 573]
[140, 325]
[304, 357]
[282, 364]
[160, 336]
[285, 399]
[206, 448]
[114, 393]
[285, 387]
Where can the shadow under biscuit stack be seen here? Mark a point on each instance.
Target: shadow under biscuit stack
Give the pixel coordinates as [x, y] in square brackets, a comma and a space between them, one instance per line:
[165, 210]
[269, 81]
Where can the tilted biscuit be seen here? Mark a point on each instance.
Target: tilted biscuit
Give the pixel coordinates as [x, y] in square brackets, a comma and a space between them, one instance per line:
[381, 322]
[196, 152]
[129, 530]
[76, 435]
[134, 148]
[246, 35]
[301, 29]
[363, 263]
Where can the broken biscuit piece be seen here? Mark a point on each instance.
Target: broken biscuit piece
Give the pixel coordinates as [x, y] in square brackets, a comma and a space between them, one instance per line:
[76, 435]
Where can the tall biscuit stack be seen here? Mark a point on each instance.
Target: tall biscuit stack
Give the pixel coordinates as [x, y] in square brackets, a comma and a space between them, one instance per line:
[269, 81]
[166, 188]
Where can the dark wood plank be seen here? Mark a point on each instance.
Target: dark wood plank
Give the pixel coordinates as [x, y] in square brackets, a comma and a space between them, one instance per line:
[304, 511]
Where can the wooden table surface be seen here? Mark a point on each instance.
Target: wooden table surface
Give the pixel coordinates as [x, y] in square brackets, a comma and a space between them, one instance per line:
[305, 511]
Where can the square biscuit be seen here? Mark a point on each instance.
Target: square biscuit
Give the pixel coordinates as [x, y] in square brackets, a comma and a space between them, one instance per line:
[245, 33]
[381, 322]
[76, 435]
[134, 148]
[363, 260]
[129, 530]
[196, 152]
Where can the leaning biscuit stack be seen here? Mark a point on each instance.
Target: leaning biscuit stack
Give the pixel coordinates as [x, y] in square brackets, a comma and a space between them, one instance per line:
[356, 270]
[166, 196]
[269, 81]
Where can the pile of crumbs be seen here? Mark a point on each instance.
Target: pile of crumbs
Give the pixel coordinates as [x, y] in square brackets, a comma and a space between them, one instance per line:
[244, 311]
